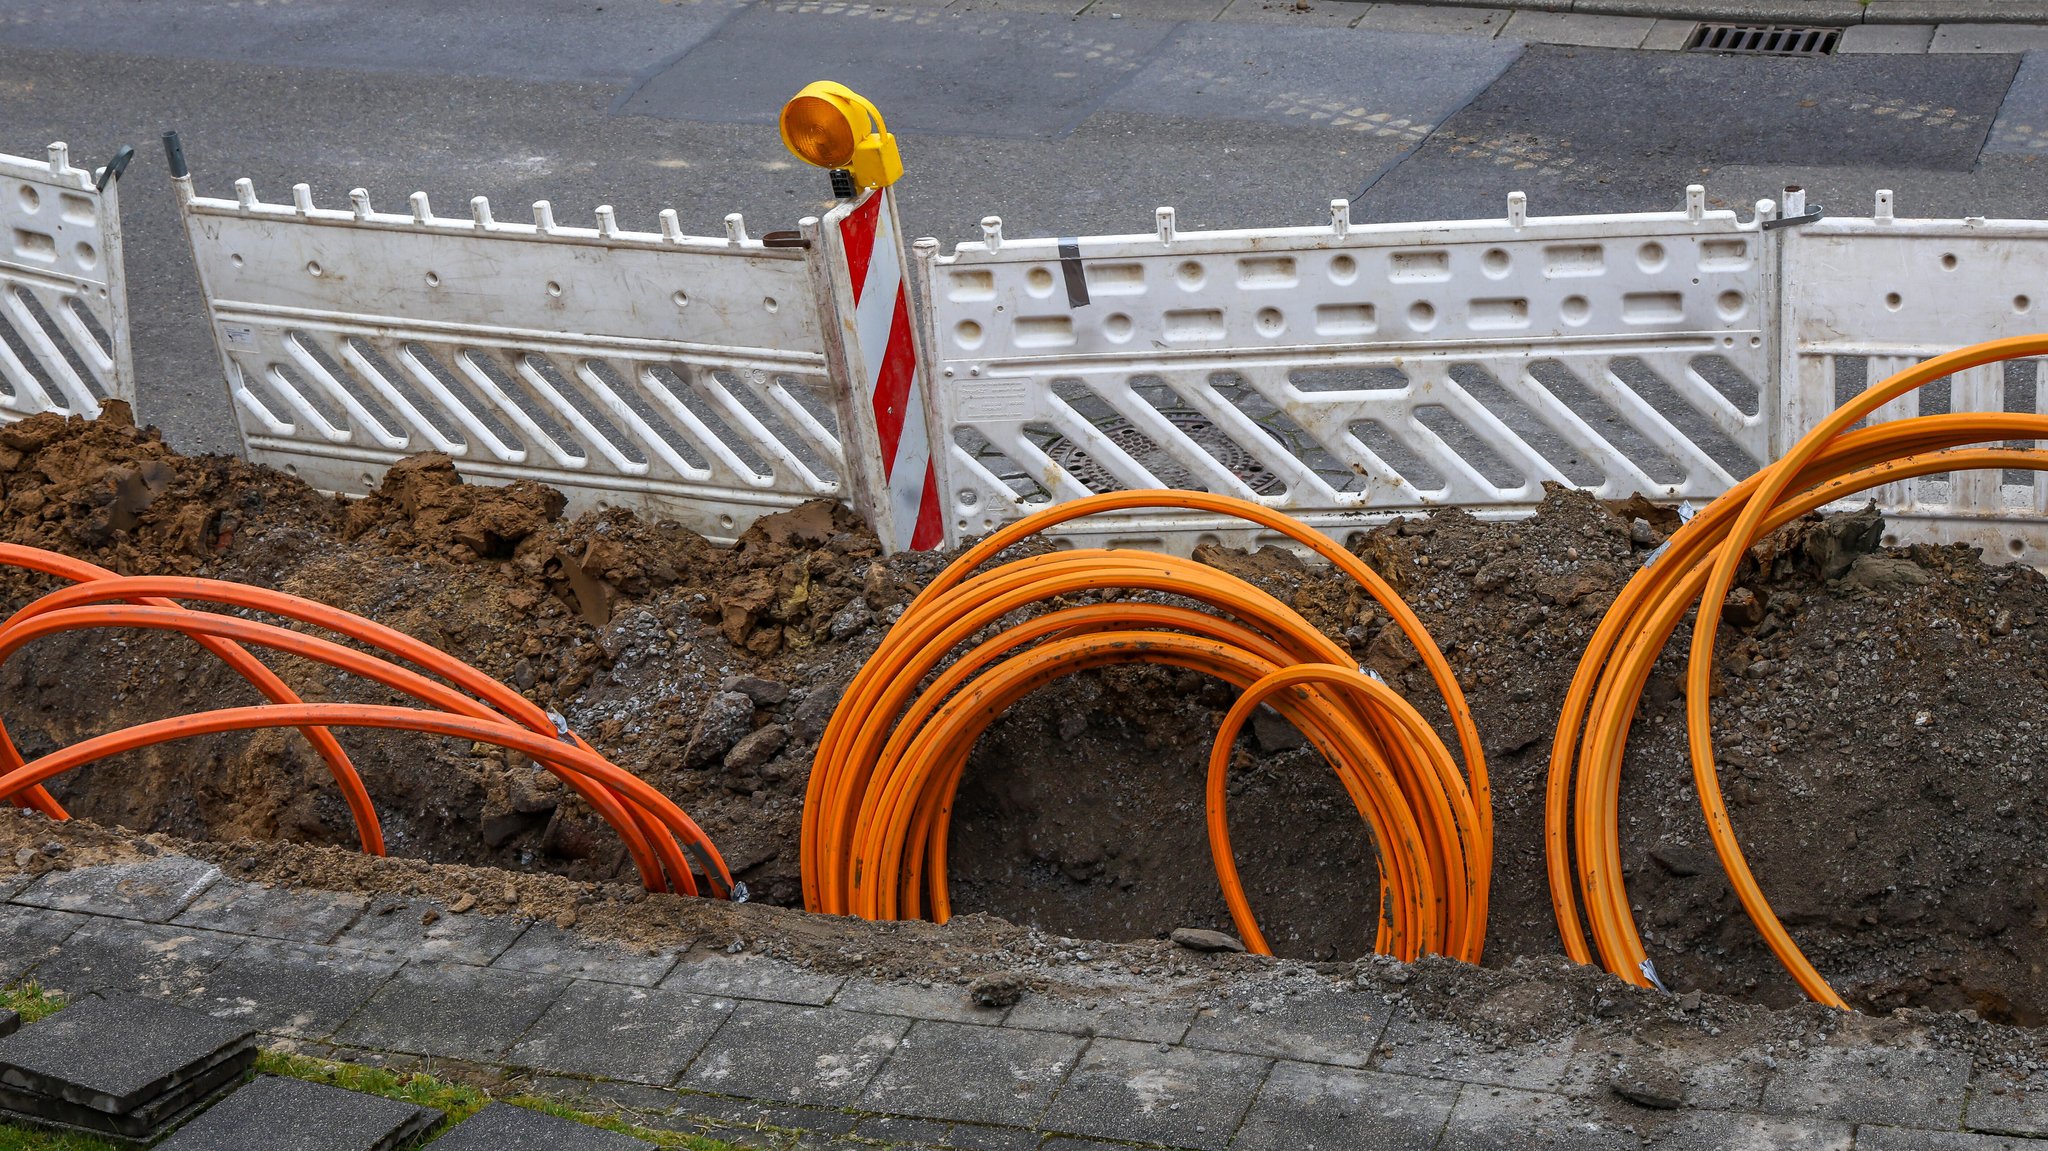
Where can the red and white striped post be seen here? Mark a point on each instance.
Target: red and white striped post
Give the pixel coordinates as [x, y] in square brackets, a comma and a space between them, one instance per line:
[884, 433]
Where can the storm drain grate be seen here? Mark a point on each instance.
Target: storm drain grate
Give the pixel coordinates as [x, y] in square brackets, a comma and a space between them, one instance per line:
[1764, 40]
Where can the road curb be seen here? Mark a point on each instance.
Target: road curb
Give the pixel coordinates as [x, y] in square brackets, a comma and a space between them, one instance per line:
[1817, 13]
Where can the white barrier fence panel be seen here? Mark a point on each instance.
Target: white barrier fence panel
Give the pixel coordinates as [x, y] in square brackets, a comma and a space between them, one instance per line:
[1868, 297]
[63, 304]
[1348, 373]
[684, 377]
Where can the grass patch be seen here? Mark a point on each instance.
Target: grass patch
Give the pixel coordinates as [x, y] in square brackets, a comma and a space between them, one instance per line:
[457, 1101]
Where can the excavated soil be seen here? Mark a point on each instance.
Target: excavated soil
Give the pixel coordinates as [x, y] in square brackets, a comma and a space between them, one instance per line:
[1876, 716]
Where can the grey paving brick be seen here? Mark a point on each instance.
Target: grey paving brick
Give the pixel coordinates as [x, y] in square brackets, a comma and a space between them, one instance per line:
[1738, 1131]
[902, 1129]
[638, 1034]
[152, 891]
[602, 1095]
[1871, 1085]
[394, 927]
[755, 1113]
[2001, 38]
[549, 950]
[2007, 1103]
[116, 1052]
[302, 915]
[981, 1074]
[1871, 1137]
[753, 977]
[1069, 1143]
[1724, 1079]
[503, 1127]
[1435, 18]
[978, 1137]
[1114, 1019]
[29, 935]
[122, 955]
[1413, 1046]
[1891, 39]
[792, 1054]
[297, 989]
[1573, 28]
[1490, 1118]
[1317, 1027]
[1310, 1107]
[452, 1010]
[1156, 1094]
[940, 1001]
[1669, 35]
[276, 1112]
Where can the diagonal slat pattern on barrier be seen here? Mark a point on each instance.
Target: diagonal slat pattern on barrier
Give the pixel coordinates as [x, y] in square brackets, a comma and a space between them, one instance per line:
[63, 306]
[682, 376]
[1347, 373]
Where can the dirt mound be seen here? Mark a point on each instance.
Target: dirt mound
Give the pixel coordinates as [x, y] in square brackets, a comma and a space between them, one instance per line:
[1876, 714]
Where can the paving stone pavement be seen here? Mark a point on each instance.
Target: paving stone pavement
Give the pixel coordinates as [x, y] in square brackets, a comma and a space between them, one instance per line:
[770, 1054]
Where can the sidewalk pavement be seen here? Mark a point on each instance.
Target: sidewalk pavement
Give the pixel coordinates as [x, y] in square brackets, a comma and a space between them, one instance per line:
[767, 1053]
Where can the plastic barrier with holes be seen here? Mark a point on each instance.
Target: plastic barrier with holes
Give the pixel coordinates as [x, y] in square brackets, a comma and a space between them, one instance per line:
[63, 306]
[697, 379]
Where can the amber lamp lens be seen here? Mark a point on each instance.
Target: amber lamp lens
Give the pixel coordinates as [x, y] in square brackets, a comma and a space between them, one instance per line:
[818, 132]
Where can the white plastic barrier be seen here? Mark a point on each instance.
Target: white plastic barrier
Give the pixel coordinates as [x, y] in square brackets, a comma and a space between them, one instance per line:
[63, 305]
[686, 377]
[1348, 373]
[1865, 298]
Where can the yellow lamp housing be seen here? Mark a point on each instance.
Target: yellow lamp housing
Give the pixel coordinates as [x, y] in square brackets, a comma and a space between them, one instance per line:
[832, 126]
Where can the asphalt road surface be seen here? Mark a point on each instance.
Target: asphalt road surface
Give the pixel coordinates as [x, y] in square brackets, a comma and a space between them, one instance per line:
[1059, 123]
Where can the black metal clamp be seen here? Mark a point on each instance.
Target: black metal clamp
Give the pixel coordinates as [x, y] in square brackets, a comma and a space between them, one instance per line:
[114, 168]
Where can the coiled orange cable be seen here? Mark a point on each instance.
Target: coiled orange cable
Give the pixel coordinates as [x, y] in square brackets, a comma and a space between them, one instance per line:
[1829, 464]
[879, 806]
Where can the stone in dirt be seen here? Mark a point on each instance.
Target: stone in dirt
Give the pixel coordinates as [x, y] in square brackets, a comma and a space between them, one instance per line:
[1202, 939]
[277, 1112]
[1002, 989]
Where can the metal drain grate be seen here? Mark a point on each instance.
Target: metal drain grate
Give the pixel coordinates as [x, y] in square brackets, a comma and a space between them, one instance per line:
[1159, 461]
[1764, 40]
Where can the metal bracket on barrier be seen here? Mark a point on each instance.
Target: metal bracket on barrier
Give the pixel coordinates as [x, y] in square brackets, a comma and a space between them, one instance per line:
[790, 238]
[1071, 270]
[1793, 221]
[114, 168]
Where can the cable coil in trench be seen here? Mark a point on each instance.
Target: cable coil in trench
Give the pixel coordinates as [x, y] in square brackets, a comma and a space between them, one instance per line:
[882, 786]
[1699, 565]
[666, 845]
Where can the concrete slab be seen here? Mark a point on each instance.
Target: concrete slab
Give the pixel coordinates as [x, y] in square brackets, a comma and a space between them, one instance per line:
[121, 955]
[116, 1053]
[1114, 1019]
[1939, 11]
[1669, 36]
[302, 990]
[1307, 77]
[1044, 71]
[1888, 39]
[503, 1127]
[1574, 28]
[152, 891]
[1870, 1137]
[452, 1010]
[2006, 1102]
[1324, 14]
[549, 950]
[300, 914]
[755, 1113]
[978, 1074]
[938, 1001]
[1490, 1118]
[1321, 1027]
[1151, 1093]
[393, 926]
[277, 1112]
[2022, 125]
[813, 1055]
[2002, 39]
[1736, 1131]
[1871, 1085]
[1202, 10]
[29, 935]
[636, 1034]
[753, 977]
[1307, 1107]
[1412, 1046]
[1728, 1080]
[1441, 20]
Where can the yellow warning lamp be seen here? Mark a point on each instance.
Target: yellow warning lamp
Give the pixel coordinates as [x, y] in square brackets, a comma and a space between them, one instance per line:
[834, 127]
